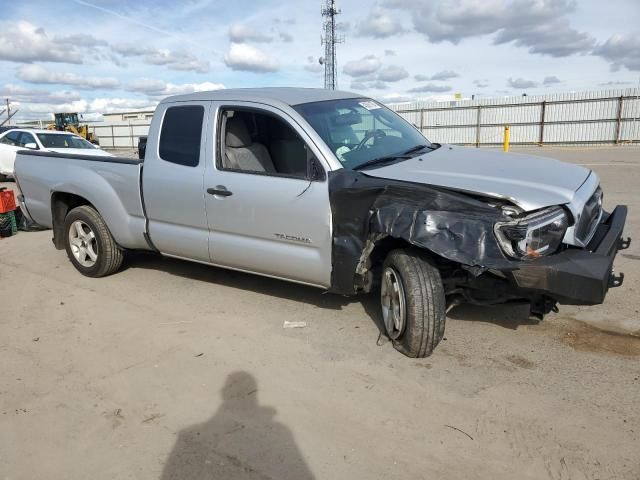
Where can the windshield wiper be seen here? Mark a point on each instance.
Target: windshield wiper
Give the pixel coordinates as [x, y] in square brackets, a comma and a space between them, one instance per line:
[417, 148]
[389, 158]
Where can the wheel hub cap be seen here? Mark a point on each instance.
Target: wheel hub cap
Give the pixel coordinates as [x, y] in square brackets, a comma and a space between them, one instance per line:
[84, 246]
[392, 301]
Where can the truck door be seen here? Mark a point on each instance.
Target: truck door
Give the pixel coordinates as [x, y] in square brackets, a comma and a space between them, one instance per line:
[172, 180]
[267, 196]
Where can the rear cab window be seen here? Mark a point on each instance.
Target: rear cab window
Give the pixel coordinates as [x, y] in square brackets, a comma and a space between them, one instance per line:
[181, 135]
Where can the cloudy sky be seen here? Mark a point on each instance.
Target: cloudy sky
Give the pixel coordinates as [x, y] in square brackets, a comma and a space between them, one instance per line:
[97, 56]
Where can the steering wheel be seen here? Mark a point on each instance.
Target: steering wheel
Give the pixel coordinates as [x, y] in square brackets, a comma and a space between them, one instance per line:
[375, 134]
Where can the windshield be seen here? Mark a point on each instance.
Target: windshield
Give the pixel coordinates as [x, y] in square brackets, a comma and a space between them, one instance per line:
[60, 140]
[360, 130]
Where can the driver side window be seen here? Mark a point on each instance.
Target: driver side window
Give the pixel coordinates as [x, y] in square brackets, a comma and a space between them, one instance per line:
[258, 142]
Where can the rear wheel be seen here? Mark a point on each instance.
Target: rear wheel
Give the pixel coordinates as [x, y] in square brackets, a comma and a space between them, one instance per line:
[413, 303]
[89, 244]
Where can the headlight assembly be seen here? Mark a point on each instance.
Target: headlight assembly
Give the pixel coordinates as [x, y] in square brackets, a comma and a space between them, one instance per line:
[535, 235]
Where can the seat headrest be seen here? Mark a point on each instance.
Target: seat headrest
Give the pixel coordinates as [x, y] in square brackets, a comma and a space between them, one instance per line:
[237, 133]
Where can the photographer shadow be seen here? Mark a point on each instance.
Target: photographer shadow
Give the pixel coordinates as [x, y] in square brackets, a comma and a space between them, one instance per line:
[242, 440]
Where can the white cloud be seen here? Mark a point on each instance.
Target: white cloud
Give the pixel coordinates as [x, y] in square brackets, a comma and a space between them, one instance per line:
[621, 51]
[24, 42]
[240, 33]
[146, 85]
[394, 98]
[40, 75]
[444, 75]
[551, 80]
[286, 37]
[40, 110]
[430, 88]
[612, 83]
[22, 94]
[392, 73]
[128, 50]
[249, 58]
[365, 66]
[180, 88]
[521, 83]
[379, 24]
[115, 105]
[90, 109]
[176, 60]
[83, 39]
[313, 65]
[160, 88]
[539, 25]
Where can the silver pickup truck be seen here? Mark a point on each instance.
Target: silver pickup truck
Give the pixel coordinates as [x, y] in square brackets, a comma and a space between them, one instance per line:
[334, 190]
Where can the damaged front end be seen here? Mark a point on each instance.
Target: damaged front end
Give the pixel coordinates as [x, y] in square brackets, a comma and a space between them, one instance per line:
[487, 253]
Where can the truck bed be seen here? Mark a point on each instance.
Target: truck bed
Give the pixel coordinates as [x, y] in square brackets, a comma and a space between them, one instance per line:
[110, 184]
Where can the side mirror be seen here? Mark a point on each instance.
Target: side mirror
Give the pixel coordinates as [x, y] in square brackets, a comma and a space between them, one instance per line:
[31, 145]
[316, 172]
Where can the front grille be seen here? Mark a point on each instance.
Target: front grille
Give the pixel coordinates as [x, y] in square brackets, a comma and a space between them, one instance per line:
[589, 218]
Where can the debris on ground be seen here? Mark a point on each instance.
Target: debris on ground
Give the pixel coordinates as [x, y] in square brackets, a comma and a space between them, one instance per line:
[290, 324]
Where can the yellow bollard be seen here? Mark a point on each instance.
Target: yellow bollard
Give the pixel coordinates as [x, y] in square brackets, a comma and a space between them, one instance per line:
[506, 138]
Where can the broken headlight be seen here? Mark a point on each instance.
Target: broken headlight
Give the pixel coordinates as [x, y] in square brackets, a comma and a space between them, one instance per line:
[535, 235]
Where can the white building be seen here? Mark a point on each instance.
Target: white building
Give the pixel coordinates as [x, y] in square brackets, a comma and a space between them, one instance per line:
[122, 130]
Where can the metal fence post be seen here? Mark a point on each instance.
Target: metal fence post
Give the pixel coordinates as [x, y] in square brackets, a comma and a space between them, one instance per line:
[113, 138]
[478, 127]
[422, 121]
[506, 138]
[618, 120]
[543, 109]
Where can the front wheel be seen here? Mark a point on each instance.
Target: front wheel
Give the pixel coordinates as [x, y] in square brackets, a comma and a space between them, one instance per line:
[89, 244]
[413, 303]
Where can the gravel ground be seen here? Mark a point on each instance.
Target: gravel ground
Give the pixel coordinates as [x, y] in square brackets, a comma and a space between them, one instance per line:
[177, 370]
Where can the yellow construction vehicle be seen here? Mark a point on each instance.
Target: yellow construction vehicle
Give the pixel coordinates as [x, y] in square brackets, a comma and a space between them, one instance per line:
[68, 122]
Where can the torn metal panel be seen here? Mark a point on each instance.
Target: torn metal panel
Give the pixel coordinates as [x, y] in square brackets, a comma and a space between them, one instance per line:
[460, 228]
[454, 226]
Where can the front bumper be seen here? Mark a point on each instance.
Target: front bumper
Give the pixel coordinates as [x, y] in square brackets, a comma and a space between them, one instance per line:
[578, 276]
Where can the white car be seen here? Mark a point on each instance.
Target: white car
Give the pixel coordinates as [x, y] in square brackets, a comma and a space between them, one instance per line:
[43, 140]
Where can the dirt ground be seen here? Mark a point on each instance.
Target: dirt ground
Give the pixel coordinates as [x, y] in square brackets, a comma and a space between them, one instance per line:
[174, 370]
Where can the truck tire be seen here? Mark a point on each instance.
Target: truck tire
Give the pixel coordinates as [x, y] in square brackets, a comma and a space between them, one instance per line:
[89, 244]
[413, 303]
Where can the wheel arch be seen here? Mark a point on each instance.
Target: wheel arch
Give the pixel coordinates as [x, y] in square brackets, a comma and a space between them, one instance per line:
[377, 249]
[61, 204]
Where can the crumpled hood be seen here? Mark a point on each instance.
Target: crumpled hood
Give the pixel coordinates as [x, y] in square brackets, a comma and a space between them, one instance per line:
[80, 151]
[528, 181]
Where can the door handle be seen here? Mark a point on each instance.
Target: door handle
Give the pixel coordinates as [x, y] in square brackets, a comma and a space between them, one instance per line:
[220, 190]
